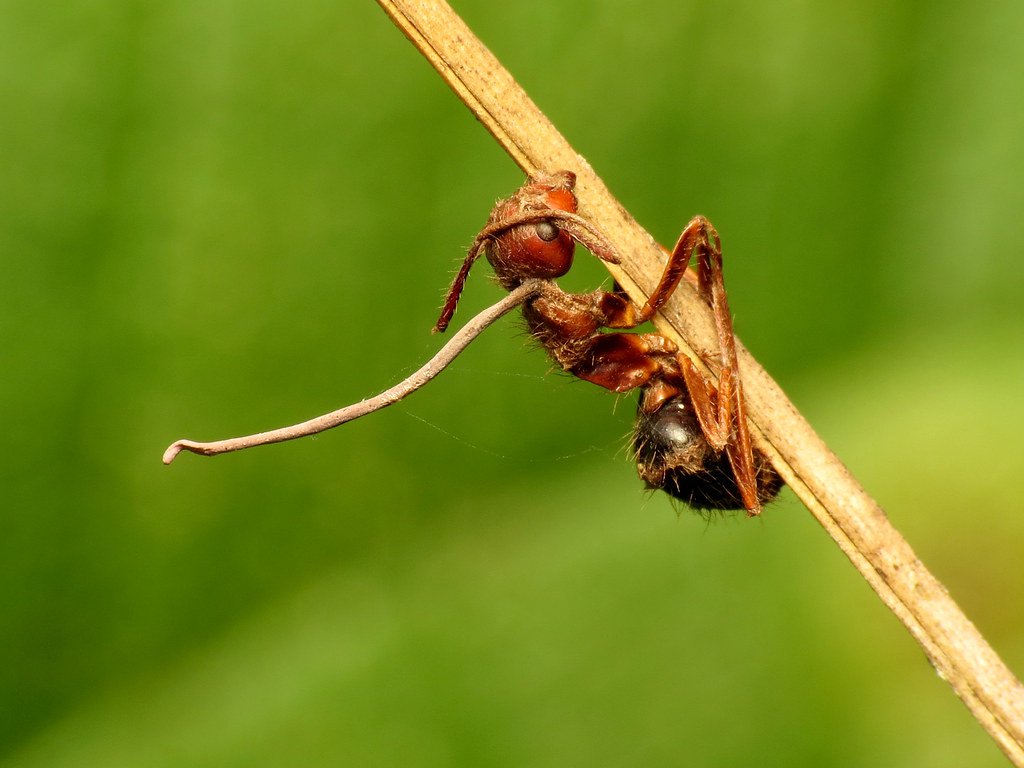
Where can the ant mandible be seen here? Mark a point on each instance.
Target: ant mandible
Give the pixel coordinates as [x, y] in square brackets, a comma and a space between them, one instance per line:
[691, 437]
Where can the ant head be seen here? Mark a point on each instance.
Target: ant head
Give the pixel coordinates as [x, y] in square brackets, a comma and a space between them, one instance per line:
[526, 240]
[531, 235]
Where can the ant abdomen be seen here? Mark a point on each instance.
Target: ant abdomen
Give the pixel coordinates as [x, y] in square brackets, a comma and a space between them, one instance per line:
[672, 454]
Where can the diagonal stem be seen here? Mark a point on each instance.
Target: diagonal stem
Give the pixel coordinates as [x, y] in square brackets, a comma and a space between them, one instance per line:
[850, 516]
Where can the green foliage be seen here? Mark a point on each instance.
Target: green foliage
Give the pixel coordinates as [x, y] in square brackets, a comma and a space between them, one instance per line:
[220, 217]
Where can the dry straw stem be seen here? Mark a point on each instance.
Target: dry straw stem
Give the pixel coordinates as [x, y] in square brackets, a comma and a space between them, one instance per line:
[851, 517]
[406, 387]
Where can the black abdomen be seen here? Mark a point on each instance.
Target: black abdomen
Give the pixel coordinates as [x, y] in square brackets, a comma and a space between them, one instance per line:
[673, 454]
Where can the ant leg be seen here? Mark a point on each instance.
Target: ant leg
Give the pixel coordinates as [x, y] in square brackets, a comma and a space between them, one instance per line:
[729, 418]
[568, 325]
[612, 309]
[712, 407]
[617, 309]
[623, 361]
[698, 234]
[615, 361]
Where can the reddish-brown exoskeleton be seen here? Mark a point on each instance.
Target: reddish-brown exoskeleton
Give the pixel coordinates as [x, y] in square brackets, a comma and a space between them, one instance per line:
[692, 438]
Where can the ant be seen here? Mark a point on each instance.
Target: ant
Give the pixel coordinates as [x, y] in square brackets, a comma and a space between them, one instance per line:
[691, 438]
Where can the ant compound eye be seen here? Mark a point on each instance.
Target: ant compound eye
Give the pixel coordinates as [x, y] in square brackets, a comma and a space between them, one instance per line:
[546, 231]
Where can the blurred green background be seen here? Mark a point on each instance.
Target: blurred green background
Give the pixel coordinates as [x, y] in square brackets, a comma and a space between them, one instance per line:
[219, 217]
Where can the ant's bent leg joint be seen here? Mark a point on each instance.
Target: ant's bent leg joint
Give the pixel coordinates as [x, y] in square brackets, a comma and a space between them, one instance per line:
[621, 361]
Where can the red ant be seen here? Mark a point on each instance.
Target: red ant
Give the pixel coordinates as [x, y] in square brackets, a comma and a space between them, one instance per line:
[691, 438]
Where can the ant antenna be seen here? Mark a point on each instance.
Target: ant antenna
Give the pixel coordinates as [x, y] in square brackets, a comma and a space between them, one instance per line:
[452, 300]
